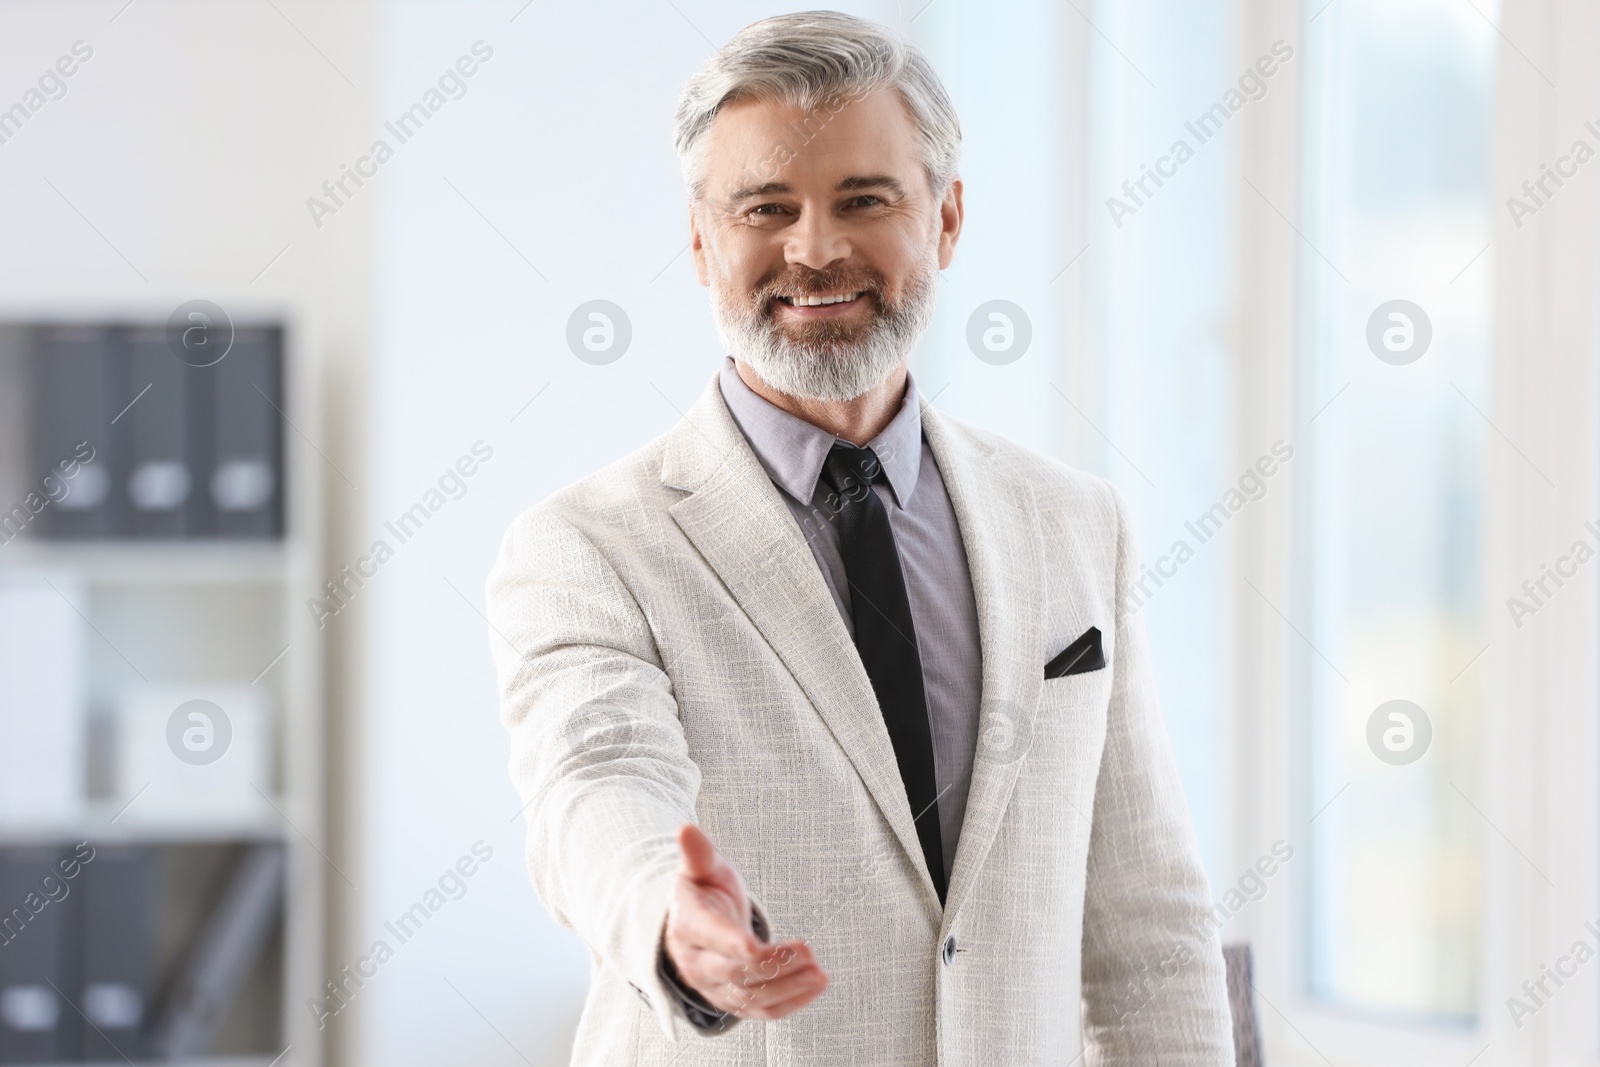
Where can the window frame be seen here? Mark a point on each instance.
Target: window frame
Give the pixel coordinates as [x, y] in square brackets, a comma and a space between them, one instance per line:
[1541, 746]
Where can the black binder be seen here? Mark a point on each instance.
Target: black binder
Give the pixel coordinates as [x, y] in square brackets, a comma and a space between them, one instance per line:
[246, 477]
[36, 1025]
[78, 391]
[170, 436]
[121, 899]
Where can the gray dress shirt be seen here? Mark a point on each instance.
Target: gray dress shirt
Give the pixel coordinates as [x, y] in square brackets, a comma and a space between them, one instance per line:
[932, 558]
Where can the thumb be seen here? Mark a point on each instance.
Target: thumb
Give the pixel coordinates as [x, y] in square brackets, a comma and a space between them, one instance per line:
[701, 860]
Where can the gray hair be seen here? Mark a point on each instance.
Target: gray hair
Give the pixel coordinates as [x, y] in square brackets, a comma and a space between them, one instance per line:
[818, 61]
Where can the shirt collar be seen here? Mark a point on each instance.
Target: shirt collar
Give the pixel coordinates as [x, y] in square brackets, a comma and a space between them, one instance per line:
[793, 450]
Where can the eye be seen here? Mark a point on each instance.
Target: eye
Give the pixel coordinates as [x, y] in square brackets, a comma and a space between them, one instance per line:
[866, 200]
[767, 209]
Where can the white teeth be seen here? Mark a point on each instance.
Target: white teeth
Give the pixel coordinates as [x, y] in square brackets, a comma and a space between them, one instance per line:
[819, 301]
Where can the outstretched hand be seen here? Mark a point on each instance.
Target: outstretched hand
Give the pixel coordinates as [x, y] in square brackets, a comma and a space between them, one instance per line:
[710, 941]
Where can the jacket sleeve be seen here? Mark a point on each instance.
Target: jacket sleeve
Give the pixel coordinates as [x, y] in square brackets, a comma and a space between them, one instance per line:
[598, 754]
[1154, 986]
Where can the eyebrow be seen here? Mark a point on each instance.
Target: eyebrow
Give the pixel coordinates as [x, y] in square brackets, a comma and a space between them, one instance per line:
[853, 184]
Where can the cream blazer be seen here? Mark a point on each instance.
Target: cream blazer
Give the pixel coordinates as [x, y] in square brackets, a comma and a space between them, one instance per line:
[667, 652]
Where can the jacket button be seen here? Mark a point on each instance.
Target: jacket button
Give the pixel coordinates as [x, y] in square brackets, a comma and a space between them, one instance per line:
[949, 950]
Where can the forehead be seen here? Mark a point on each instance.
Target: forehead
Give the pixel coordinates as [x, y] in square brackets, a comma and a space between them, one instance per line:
[754, 141]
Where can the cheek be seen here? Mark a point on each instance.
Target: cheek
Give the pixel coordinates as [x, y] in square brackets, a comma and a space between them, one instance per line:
[743, 258]
[894, 248]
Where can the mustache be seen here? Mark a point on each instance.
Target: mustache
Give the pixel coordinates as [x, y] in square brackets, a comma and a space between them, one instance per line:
[809, 282]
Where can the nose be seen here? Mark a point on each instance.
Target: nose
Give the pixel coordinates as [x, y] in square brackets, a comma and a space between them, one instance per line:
[816, 240]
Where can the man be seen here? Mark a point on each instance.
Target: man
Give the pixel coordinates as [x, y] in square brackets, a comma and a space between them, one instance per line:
[826, 710]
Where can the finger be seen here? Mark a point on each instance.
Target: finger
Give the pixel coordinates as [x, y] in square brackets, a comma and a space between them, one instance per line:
[783, 959]
[783, 987]
[712, 967]
[803, 994]
[701, 861]
[779, 1011]
[740, 998]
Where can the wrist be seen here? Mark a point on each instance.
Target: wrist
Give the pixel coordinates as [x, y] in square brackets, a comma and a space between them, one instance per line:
[700, 1012]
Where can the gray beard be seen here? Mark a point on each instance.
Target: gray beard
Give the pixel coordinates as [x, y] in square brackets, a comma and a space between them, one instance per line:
[833, 369]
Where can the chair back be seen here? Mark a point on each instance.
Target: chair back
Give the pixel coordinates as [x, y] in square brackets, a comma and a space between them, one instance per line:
[1241, 998]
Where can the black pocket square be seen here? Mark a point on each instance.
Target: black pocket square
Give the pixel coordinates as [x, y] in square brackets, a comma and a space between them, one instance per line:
[1080, 657]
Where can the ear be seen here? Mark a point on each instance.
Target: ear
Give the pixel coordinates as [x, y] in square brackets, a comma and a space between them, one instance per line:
[697, 246]
[951, 214]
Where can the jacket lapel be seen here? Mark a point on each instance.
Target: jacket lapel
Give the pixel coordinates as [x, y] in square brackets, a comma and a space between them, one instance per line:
[999, 524]
[736, 518]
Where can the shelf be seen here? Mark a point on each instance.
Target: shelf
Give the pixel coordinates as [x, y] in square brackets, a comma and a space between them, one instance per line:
[205, 1061]
[195, 613]
[96, 827]
[153, 562]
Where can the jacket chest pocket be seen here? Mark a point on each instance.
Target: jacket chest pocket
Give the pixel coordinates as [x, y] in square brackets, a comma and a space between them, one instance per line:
[1071, 722]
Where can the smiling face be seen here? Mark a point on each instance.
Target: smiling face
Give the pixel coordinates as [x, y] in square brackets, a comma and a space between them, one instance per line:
[821, 241]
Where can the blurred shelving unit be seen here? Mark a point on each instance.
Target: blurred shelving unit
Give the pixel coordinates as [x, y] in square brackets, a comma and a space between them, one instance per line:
[170, 618]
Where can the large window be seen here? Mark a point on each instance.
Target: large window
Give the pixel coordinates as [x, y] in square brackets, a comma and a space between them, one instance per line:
[1154, 416]
[1392, 383]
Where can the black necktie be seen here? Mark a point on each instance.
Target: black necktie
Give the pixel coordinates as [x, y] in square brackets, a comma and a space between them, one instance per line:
[885, 635]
